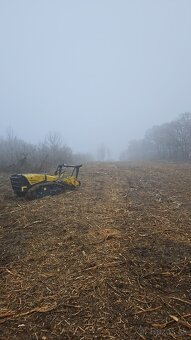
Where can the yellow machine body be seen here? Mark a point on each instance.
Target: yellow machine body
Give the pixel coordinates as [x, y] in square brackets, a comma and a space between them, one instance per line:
[37, 178]
[40, 185]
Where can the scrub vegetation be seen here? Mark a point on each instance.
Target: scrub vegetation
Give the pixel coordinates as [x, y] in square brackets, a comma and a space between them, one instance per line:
[19, 155]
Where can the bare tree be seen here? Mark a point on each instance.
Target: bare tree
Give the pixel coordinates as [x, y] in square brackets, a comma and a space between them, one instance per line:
[17, 155]
[169, 141]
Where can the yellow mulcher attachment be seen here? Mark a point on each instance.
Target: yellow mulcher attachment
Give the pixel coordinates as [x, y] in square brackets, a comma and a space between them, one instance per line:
[33, 186]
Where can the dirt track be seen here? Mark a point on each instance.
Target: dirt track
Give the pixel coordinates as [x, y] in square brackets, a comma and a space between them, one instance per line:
[109, 261]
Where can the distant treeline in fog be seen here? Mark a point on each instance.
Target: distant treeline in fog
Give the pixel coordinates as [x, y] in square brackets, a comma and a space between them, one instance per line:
[16, 155]
[169, 141]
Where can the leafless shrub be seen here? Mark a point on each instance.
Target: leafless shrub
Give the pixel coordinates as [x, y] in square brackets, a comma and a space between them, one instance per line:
[17, 155]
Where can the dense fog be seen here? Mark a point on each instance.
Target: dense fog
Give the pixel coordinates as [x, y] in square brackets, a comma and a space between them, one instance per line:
[98, 74]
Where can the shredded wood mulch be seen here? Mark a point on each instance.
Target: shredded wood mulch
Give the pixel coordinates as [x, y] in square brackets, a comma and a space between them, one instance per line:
[111, 260]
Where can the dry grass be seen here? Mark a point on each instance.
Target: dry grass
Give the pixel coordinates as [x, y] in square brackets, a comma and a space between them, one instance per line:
[109, 261]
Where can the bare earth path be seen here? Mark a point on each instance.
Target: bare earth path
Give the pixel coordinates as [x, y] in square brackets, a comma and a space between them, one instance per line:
[109, 261]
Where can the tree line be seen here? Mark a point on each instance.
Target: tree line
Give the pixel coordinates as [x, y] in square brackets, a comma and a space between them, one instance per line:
[170, 141]
[16, 155]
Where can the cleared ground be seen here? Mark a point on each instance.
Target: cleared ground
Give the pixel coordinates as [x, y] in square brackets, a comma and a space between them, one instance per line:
[109, 261]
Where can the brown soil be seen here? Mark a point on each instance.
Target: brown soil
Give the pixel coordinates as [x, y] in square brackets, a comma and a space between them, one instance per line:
[109, 261]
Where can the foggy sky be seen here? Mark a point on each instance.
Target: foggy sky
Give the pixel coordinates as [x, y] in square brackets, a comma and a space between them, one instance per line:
[97, 71]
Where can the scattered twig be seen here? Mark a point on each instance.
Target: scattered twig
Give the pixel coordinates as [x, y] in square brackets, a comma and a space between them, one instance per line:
[103, 265]
[182, 322]
[164, 325]
[115, 289]
[148, 310]
[31, 224]
[181, 300]
[14, 315]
